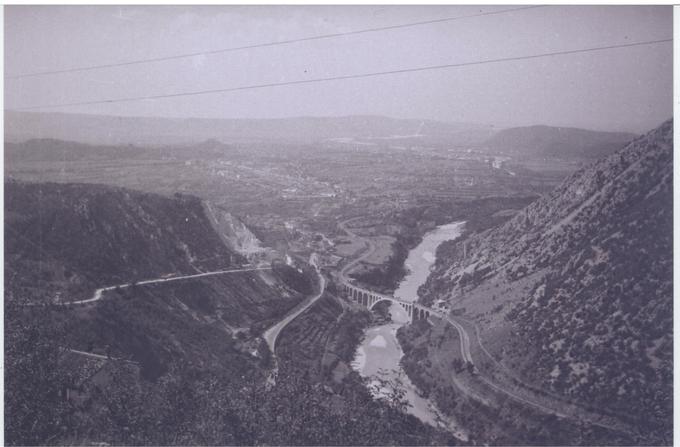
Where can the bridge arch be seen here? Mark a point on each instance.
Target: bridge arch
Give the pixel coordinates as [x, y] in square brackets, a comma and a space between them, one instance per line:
[369, 300]
[380, 299]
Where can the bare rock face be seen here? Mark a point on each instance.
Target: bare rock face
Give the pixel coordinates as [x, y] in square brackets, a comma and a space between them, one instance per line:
[575, 292]
[234, 233]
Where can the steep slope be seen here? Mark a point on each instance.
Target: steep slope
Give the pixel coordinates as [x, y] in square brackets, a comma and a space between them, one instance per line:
[557, 142]
[574, 293]
[65, 240]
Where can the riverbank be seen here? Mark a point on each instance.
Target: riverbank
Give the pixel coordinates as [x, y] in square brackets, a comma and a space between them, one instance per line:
[379, 355]
[413, 223]
[315, 352]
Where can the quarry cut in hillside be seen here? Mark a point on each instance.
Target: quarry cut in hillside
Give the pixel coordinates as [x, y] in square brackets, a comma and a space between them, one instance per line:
[235, 234]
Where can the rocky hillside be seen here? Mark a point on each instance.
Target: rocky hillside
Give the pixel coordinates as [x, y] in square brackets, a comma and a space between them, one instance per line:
[557, 142]
[65, 240]
[575, 293]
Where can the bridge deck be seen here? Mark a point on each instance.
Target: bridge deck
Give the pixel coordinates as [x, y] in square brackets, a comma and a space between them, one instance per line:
[372, 298]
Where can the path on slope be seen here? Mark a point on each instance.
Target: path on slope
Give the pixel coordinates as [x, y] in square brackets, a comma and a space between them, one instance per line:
[464, 340]
[98, 294]
[99, 356]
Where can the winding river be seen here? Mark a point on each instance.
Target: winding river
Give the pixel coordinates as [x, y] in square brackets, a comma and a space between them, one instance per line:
[380, 349]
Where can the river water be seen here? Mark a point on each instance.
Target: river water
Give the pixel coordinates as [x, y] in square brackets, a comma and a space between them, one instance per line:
[380, 349]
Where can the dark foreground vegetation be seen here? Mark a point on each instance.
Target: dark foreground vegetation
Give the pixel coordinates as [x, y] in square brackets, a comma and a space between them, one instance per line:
[54, 397]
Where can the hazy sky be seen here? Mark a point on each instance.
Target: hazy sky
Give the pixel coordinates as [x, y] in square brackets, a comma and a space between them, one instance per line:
[621, 89]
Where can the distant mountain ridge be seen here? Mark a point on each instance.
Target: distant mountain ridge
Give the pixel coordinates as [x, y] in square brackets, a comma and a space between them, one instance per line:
[557, 142]
[63, 151]
[575, 293]
[216, 134]
[118, 130]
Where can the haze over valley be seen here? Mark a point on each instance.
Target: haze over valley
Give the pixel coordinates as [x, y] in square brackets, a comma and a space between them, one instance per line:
[345, 261]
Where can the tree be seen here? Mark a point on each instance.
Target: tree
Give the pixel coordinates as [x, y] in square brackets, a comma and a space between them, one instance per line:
[389, 386]
[470, 367]
[35, 409]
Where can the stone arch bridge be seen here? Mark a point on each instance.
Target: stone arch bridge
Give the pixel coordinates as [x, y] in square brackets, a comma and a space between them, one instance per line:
[369, 299]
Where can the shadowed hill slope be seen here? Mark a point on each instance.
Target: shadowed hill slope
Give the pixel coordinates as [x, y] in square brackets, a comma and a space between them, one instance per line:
[65, 240]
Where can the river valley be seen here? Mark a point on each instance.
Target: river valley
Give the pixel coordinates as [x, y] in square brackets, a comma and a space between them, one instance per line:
[380, 352]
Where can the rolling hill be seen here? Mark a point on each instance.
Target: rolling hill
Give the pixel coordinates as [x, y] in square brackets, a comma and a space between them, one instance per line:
[556, 142]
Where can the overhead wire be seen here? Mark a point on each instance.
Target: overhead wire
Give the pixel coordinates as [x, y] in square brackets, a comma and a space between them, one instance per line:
[346, 77]
[266, 44]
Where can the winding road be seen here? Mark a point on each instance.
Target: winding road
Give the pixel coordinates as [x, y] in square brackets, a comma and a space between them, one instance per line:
[271, 334]
[370, 248]
[464, 340]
